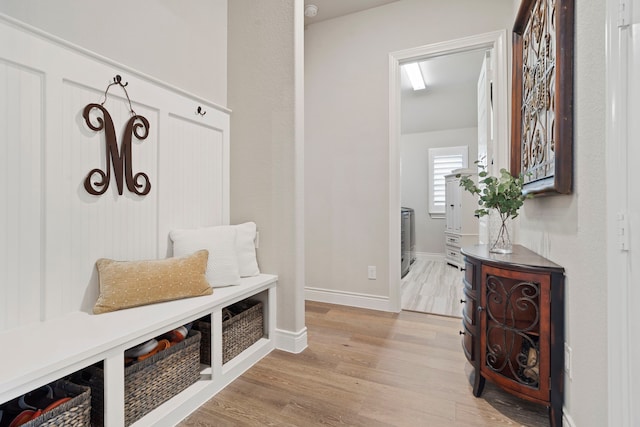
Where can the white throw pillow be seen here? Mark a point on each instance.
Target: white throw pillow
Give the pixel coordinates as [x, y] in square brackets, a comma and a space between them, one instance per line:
[222, 266]
[246, 249]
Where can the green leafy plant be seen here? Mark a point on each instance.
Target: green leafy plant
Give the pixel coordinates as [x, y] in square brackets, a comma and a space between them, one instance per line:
[502, 193]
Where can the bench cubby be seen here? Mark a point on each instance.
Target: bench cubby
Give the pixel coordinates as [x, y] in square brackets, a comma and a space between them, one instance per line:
[242, 326]
[60, 403]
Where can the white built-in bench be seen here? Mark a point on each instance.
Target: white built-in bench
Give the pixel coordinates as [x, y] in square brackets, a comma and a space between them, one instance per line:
[52, 243]
[39, 353]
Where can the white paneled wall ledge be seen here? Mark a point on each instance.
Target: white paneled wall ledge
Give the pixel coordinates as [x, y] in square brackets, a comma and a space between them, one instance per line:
[52, 230]
[9, 21]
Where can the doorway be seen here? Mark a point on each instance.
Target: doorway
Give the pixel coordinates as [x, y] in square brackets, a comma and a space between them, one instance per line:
[439, 133]
[494, 42]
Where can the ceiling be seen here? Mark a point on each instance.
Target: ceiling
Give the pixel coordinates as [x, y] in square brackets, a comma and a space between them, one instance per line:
[329, 9]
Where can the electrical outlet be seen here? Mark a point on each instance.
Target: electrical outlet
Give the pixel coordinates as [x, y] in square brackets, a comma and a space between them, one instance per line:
[371, 272]
[567, 360]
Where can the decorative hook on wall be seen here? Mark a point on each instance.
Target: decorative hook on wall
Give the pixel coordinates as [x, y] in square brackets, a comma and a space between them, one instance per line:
[200, 111]
[117, 80]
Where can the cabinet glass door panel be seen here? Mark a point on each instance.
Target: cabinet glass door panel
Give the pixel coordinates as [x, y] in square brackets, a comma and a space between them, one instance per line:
[515, 315]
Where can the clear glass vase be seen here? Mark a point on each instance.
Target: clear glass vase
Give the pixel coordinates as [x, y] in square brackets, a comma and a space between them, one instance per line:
[500, 232]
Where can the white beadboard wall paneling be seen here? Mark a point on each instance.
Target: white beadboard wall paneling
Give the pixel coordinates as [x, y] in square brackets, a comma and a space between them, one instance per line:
[52, 231]
[20, 192]
[194, 174]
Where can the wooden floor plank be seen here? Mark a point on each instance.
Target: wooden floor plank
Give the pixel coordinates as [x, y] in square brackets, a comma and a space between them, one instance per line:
[367, 368]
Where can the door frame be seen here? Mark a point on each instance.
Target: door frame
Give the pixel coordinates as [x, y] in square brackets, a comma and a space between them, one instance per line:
[619, 287]
[497, 41]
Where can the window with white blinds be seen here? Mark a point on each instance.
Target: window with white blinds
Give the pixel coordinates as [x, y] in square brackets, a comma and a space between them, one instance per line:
[442, 161]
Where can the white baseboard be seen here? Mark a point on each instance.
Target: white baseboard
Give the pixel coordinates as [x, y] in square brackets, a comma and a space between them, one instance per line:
[352, 299]
[567, 421]
[430, 256]
[293, 342]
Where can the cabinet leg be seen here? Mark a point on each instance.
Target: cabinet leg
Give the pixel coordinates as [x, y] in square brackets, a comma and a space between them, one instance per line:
[478, 384]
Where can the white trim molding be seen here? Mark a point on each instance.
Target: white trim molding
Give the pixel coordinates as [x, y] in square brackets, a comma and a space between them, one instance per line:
[292, 342]
[496, 40]
[567, 421]
[299, 162]
[353, 299]
[619, 332]
[95, 56]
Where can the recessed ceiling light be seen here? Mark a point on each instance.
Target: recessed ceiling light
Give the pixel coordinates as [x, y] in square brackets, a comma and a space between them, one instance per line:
[415, 75]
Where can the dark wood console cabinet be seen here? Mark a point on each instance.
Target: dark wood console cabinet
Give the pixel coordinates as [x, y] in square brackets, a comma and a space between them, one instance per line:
[513, 324]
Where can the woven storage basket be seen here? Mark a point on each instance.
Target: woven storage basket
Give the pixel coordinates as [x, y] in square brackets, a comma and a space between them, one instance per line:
[149, 383]
[74, 413]
[242, 325]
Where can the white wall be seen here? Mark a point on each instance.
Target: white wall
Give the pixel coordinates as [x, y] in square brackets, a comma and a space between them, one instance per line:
[347, 129]
[185, 46]
[570, 230]
[414, 163]
[263, 155]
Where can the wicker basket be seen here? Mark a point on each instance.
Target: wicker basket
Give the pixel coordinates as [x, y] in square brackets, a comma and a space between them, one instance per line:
[149, 383]
[242, 325]
[74, 413]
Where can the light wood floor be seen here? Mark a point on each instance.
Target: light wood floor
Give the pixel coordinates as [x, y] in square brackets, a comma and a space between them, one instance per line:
[366, 368]
[432, 287]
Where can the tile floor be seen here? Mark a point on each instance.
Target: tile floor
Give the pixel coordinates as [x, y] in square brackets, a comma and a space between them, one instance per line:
[433, 287]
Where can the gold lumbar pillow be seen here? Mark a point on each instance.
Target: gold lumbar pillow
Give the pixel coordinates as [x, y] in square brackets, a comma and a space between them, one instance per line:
[126, 284]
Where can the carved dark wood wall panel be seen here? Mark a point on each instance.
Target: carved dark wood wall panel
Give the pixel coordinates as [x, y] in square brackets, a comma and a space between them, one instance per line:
[542, 107]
